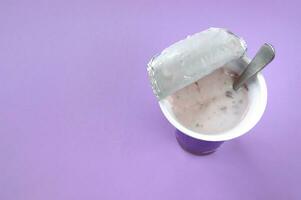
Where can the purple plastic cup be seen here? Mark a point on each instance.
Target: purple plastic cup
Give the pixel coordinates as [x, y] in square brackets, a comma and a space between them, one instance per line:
[206, 143]
[196, 146]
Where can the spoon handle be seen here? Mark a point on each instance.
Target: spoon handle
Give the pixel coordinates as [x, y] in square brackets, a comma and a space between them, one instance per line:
[263, 57]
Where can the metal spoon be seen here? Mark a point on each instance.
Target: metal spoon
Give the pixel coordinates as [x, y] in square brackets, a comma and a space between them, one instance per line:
[263, 57]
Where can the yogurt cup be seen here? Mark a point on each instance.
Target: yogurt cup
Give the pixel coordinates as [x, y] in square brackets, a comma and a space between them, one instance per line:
[205, 143]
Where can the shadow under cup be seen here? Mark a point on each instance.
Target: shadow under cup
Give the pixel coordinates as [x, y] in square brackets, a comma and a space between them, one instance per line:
[204, 143]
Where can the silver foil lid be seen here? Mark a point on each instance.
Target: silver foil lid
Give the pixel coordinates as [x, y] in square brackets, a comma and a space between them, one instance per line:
[190, 59]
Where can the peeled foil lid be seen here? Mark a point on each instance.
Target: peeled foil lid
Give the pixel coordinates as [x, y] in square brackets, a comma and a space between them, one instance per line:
[190, 59]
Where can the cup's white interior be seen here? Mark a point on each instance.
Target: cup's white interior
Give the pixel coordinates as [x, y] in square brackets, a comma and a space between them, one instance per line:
[257, 103]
